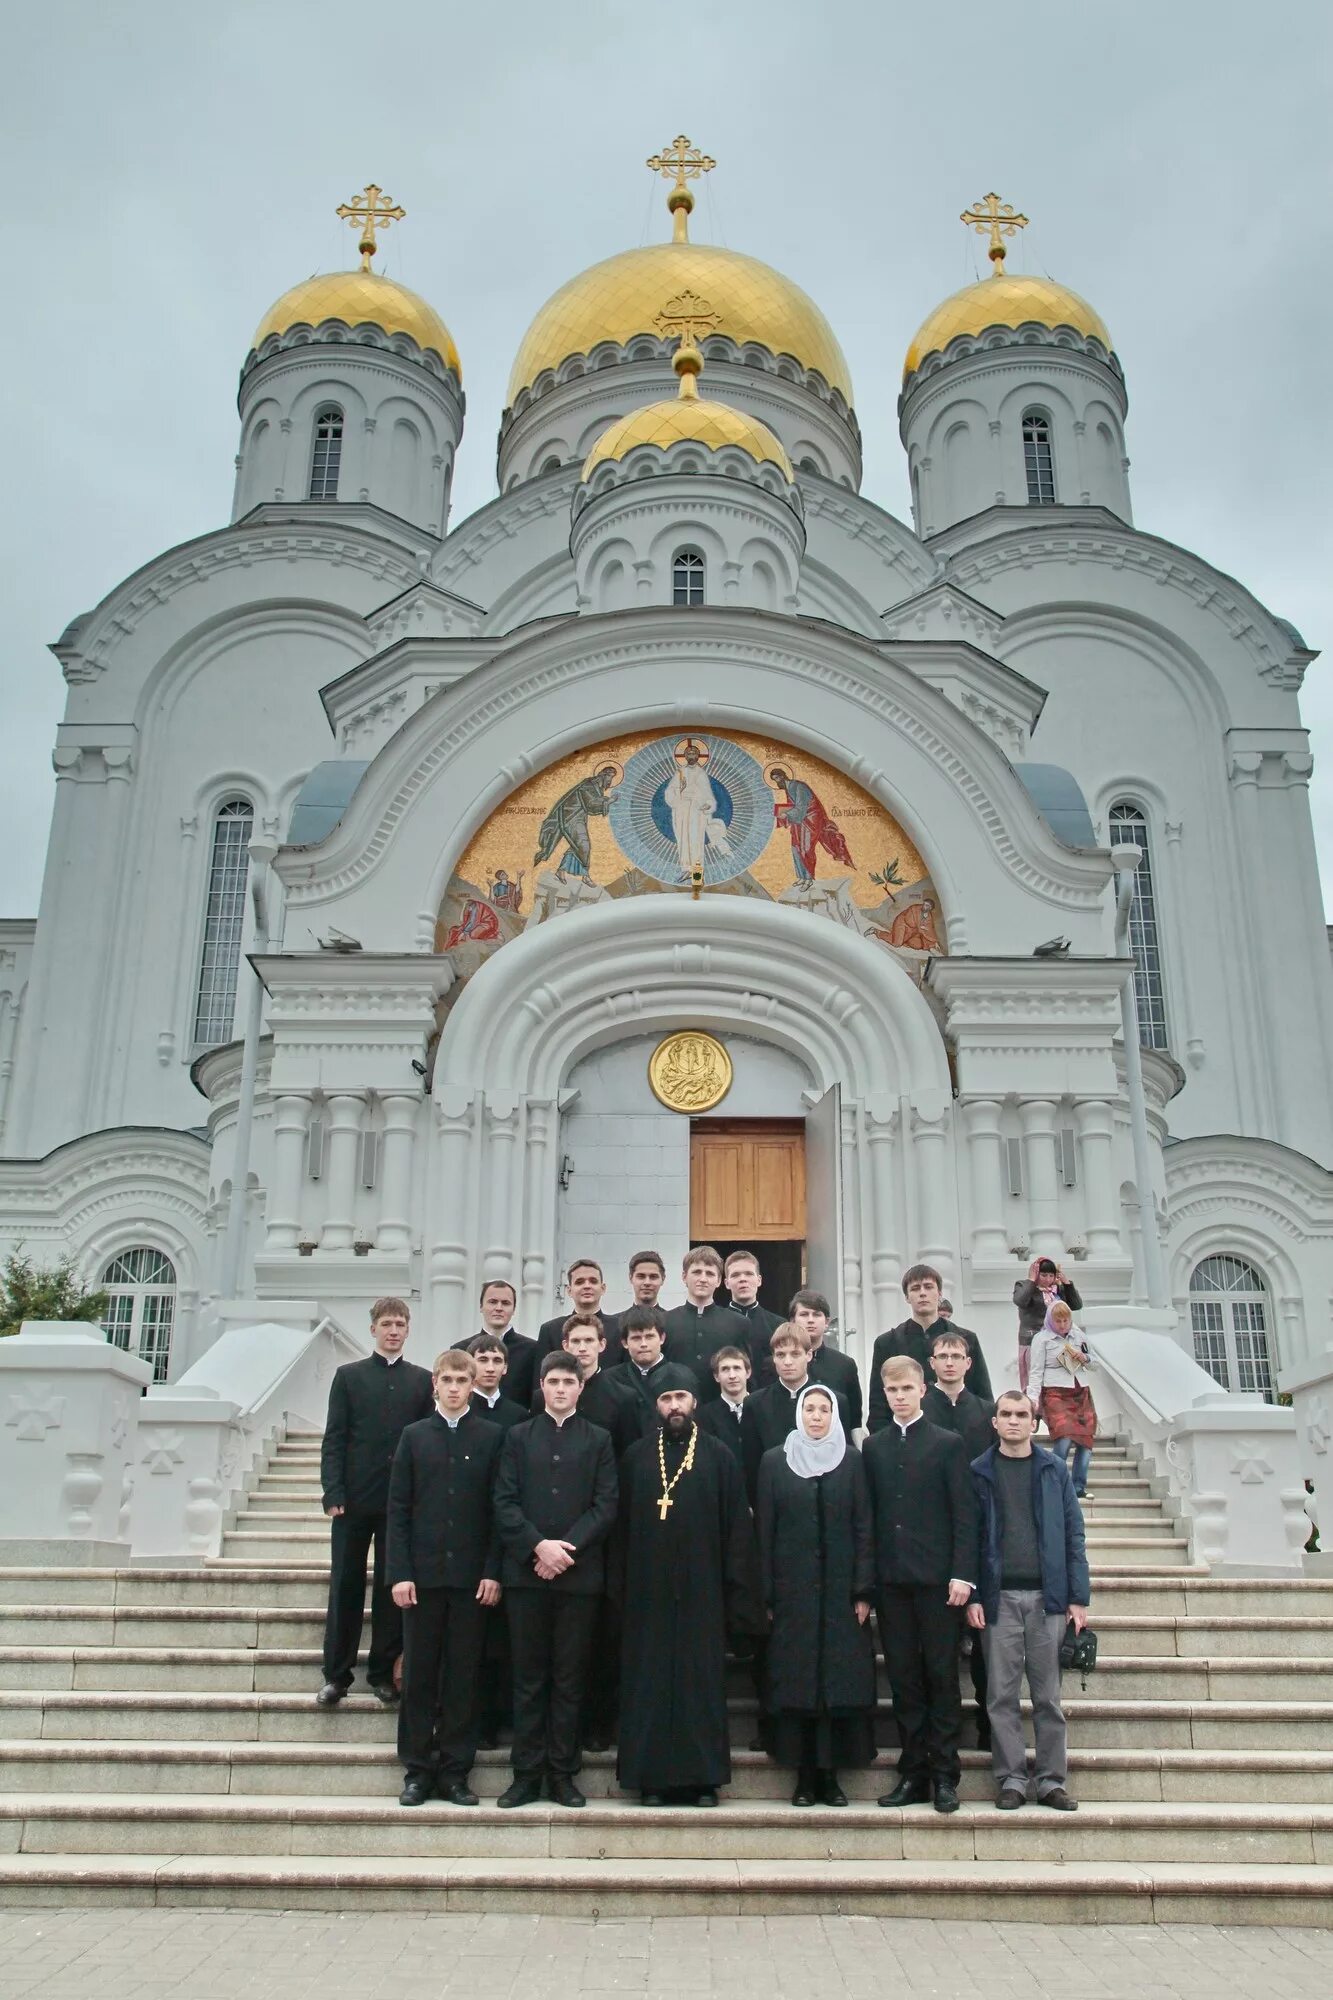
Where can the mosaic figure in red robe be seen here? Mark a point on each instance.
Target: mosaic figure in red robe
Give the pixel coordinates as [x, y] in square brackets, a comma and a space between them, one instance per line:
[809, 825]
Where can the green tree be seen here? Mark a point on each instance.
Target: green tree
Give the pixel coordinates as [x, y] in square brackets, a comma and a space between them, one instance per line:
[36, 1291]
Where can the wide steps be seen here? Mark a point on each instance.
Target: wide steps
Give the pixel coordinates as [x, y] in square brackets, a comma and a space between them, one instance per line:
[1107, 1892]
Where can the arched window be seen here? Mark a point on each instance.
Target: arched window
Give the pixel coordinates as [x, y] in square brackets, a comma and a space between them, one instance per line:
[1038, 462]
[327, 455]
[141, 1306]
[687, 577]
[224, 920]
[1229, 1321]
[550, 465]
[1129, 827]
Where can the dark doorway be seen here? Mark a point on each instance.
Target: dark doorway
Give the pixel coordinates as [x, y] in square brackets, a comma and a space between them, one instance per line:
[782, 1271]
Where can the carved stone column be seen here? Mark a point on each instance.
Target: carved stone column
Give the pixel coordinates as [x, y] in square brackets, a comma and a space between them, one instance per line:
[538, 1234]
[1095, 1119]
[345, 1113]
[882, 1126]
[937, 1214]
[501, 1224]
[291, 1123]
[401, 1110]
[450, 1255]
[1037, 1118]
[981, 1116]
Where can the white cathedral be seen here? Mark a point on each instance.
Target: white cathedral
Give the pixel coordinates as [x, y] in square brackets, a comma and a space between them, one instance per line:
[681, 848]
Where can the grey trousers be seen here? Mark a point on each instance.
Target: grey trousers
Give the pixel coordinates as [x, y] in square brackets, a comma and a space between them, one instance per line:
[1025, 1638]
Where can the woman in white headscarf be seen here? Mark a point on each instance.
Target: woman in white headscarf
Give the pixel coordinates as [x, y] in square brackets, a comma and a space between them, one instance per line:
[816, 1551]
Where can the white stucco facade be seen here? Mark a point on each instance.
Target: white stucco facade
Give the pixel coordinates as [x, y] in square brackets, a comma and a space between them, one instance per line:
[422, 1123]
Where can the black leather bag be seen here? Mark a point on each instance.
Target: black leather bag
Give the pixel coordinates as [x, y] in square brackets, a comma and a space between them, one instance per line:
[1079, 1650]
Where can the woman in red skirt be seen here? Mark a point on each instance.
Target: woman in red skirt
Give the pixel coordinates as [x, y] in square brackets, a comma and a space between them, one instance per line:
[1057, 1384]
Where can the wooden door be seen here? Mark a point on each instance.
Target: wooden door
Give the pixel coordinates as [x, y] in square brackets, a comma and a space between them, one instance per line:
[747, 1180]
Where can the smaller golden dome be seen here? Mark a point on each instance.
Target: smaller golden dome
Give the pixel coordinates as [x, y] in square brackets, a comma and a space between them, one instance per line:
[361, 298]
[688, 416]
[1006, 299]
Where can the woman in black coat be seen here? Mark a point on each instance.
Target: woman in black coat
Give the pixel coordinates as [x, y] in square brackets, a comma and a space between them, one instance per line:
[816, 1549]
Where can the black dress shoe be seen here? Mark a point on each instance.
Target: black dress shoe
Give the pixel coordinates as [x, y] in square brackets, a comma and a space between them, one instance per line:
[386, 1692]
[830, 1791]
[706, 1797]
[907, 1792]
[806, 1793]
[946, 1795]
[1011, 1799]
[459, 1795]
[416, 1790]
[523, 1792]
[564, 1792]
[653, 1799]
[1058, 1800]
[330, 1694]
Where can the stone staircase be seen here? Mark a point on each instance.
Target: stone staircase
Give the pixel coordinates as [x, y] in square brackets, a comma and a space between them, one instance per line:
[159, 1743]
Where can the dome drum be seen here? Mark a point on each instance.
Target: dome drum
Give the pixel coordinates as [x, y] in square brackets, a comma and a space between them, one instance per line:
[631, 525]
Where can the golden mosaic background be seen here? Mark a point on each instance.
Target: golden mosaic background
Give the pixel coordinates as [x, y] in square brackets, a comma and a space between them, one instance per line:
[508, 839]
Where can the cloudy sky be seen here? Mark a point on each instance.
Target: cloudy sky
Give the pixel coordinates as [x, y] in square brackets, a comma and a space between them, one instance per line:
[171, 169]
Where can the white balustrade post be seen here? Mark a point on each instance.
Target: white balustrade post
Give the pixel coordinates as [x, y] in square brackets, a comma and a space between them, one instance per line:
[69, 1407]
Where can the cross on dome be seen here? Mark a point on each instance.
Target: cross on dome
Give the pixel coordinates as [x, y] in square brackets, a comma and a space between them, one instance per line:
[990, 213]
[682, 162]
[366, 211]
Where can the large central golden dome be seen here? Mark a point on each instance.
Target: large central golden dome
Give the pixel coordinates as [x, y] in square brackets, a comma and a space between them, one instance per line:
[623, 296]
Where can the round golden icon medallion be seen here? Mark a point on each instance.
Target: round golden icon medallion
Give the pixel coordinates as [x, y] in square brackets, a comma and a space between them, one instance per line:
[690, 1071]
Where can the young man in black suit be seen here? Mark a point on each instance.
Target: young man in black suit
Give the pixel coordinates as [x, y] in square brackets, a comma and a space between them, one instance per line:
[950, 1404]
[603, 1399]
[725, 1419]
[444, 1570]
[810, 1314]
[742, 1278]
[644, 1329]
[921, 1289]
[498, 1300]
[925, 1512]
[696, 1330]
[587, 1289]
[491, 1356]
[371, 1403]
[555, 1505]
[647, 1275]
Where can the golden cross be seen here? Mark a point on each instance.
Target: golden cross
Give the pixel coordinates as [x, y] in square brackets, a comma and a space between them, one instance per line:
[662, 1506]
[367, 209]
[1001, 220]
[681, 162]
[688, 316]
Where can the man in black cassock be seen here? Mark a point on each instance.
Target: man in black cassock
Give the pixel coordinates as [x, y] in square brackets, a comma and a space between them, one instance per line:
[498, 1302]
[587, 1289]
[696, 1330]
[689, 1579]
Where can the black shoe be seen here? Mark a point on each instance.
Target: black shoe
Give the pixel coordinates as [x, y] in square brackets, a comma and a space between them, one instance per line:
[946, 1795]
[1010, 1799]
[416, 1789]
[523, 1792]
[907, 1792]
[830, 1791]
[330, 1694]
[564, 1792]
[807, 1791]
[653, 1799]
[1059, 1800]
[706, 1797]
[757, 1743]
[460, 1794]
[597, 1740]
[386, 1692]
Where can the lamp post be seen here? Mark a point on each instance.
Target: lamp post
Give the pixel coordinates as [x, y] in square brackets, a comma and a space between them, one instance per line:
[261, 852]
[1125, 858]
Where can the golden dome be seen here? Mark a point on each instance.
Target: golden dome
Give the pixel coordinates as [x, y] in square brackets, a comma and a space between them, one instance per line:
[622, 297]
[1006, 299]
[688, 416]
[359, 298]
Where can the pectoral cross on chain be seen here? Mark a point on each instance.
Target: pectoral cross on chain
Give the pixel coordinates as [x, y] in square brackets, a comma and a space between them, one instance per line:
[662, 1506]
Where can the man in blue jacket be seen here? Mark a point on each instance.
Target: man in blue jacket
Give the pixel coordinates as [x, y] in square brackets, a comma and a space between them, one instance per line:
[1033, 1578]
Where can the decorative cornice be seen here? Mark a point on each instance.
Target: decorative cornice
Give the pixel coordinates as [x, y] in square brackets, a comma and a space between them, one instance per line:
[687, 459]
[716, 347]
[367, 338]
[1014, 342]
[861, 521]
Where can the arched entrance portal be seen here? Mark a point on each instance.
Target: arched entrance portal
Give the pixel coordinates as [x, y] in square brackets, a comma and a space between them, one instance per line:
[839, 1007]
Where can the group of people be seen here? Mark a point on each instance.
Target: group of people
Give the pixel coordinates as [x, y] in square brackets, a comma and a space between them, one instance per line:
[573, 1532]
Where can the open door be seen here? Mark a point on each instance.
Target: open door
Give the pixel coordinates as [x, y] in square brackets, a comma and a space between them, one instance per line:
[823, 1204]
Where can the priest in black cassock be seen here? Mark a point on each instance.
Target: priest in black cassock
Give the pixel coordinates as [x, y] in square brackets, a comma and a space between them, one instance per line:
[689, 1580]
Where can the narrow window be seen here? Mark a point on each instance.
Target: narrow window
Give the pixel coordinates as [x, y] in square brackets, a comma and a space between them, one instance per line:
[1037, 460]
[1129, 827]
[1229, 1321]
[687, 578]
[327, 455]
[141, 1305]
[224, 920]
